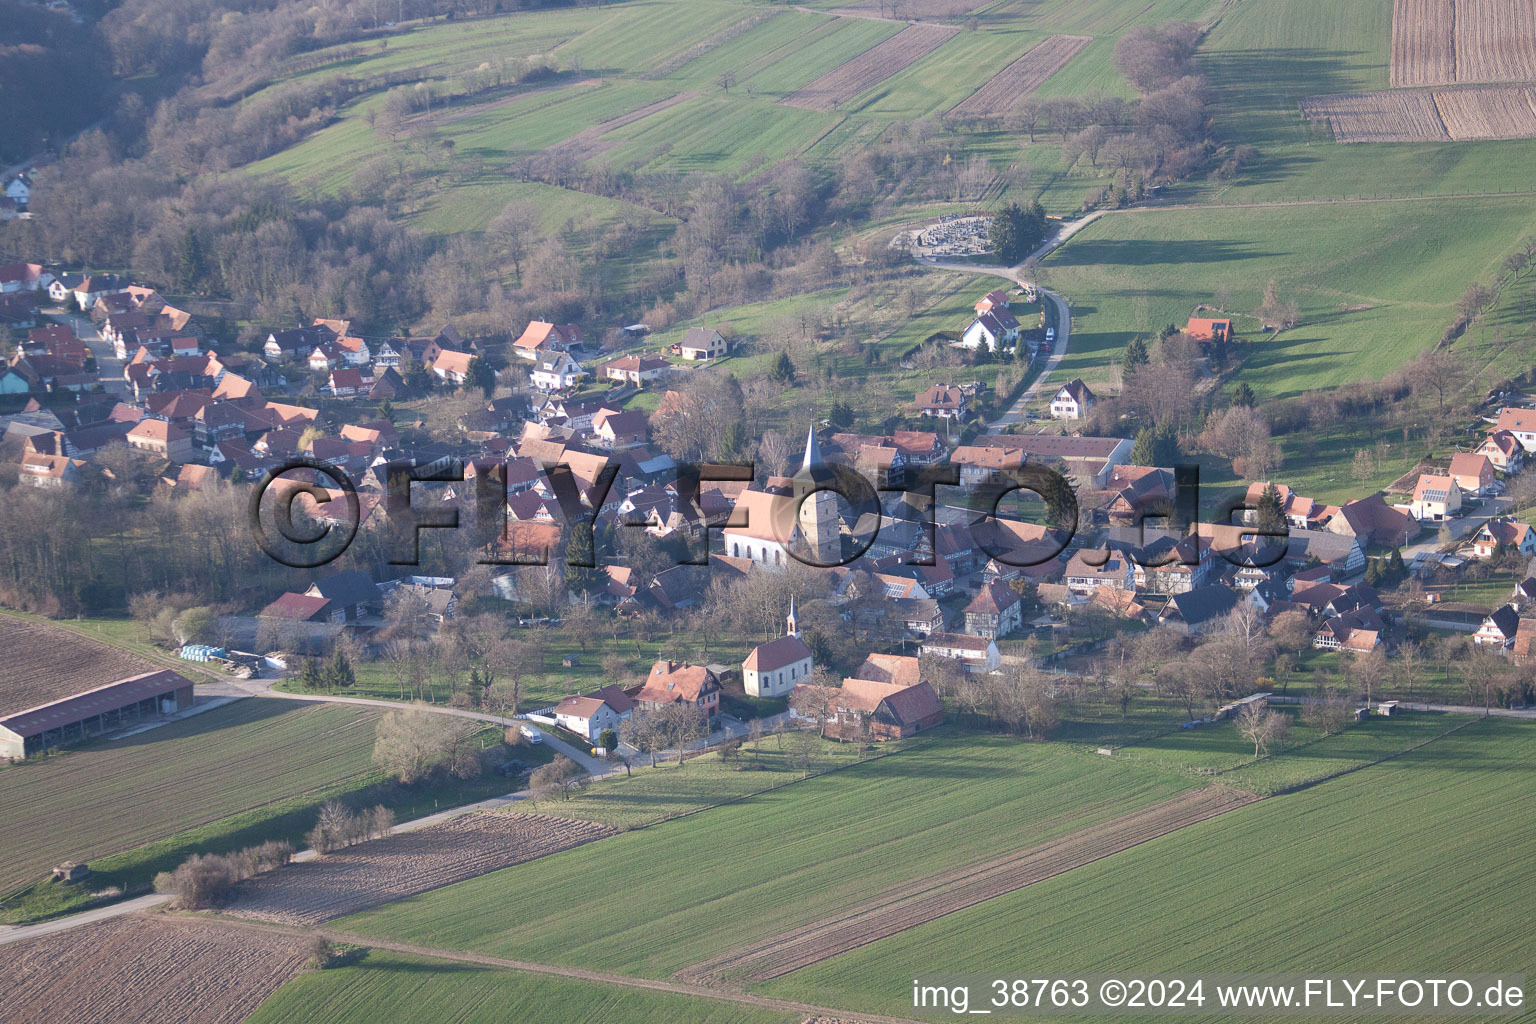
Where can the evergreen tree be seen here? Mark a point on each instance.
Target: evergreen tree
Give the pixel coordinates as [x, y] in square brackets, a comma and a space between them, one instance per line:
[481, 375]
[420, 380]
[733, 445]
[338, 675]
[1395, 566]
[193, 265]
[1270, 515]
[1004, 234]
[581, 579]
[1243, 395]
[310, 677]
[841, 415]
[783, 371]
[1135, 355]
[1144, 451]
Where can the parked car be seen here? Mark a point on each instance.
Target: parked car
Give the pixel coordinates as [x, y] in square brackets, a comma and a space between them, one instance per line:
[1050, 334]
[531, 734]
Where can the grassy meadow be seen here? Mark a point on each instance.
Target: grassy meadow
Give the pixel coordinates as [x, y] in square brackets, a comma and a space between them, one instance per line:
[781, 858]
[1400, 867]
[253, 770]
[383, 985]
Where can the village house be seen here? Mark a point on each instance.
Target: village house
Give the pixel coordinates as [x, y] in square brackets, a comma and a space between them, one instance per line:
[985, 464]
[1073, 401]
[701, 343]
[635, 369]
[884, 699]
[994, 612]
[1371, 521]
[350, 381]
[1498, 628]
[1504, 450]
[1090, 569]
[1521, 423]
[620, 429]
[542, 338]
[589, 715]
[1506, 533]
[944, 401]
[1173, 565]
[996, 330]
[1088, 460]
[453, 367]
[351, 594]
[1203, 329]
[775, 668]
[555, 371]
[1473, 473]
[1201, 610]
[1436, 498]
[162, 439]
[1358, 630]
[49, 471]
[977, 654]
[997, 298]
[672, 683]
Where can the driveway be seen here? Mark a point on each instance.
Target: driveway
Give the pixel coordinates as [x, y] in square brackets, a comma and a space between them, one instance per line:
[1463, 526]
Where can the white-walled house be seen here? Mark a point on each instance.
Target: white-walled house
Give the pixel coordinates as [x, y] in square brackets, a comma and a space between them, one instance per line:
[1435, 498]
[777, 667]
[589, 715]
[1073, 401]
[555, 371]
[996, 330]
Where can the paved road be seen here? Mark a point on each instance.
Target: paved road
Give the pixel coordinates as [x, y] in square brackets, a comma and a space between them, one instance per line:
[592, 765]
[107, 364]
[1015, 412]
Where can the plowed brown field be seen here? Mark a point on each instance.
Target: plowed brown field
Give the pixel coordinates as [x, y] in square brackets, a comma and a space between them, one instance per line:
[909, 905]
[1445, 42]
[161, 969]
[870, 68]
[405, 864]
[1388, 116]
[1003, 90]
[1492, 112]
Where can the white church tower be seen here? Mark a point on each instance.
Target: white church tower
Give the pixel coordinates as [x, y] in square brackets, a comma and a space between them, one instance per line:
[820, 528]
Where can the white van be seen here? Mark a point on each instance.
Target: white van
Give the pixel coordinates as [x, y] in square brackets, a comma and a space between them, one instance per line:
[531, 734]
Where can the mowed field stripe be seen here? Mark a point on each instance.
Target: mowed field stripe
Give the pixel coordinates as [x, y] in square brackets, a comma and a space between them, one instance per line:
[871, 67]
[1002, 92]
[927, 899]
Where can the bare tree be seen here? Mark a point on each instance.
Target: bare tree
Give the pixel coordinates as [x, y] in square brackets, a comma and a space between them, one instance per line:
[1262, 726]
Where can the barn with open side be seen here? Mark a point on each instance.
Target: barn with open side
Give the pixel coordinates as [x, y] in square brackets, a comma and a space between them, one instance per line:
[104, 709]
[58, 687]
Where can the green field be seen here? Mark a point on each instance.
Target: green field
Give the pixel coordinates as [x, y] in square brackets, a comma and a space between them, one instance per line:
[1376, 282]
[1402, 867]
[1220, 753]
[111, 797]
[414, 990]
[779, 859]
[241, 774]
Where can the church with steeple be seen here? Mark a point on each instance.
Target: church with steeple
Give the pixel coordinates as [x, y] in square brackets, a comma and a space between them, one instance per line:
[777, 667]
[772, 533]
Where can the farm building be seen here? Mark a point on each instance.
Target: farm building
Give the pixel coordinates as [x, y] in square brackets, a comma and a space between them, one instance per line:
[93, 712]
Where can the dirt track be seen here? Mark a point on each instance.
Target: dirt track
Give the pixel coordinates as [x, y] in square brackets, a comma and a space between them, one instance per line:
[918, 902]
